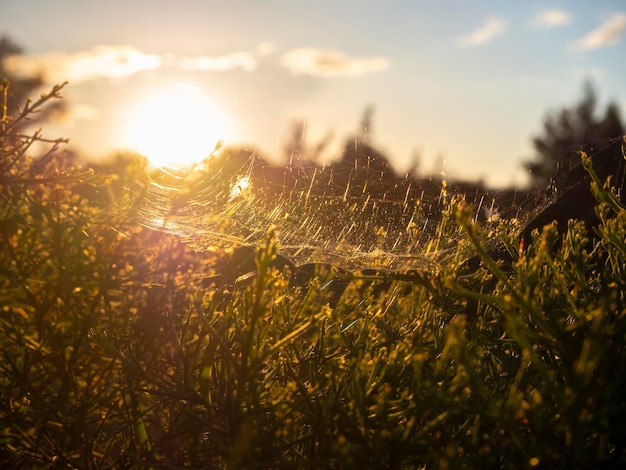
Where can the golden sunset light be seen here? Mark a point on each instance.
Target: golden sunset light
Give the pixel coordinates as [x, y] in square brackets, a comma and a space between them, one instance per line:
[175, 126]
[331, 234]
[442, 86]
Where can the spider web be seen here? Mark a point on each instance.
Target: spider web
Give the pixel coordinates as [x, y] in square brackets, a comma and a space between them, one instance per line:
[353, 214]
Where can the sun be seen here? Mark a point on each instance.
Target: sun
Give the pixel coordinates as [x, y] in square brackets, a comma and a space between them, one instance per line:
[175, 126]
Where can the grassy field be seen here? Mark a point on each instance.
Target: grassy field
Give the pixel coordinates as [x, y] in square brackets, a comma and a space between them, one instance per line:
[121, 347]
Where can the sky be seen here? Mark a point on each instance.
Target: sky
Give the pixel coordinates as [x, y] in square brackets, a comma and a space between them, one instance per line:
[456, 87]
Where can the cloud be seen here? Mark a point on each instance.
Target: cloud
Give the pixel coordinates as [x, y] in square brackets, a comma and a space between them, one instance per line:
[330, 63]
[242, 60]
[116, 62]
[492, 28]
[553, 18]
[608, 33]
[98, 62]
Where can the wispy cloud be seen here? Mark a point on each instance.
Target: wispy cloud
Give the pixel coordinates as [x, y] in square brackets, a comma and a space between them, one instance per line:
[552, 18]
[117, 62]
[330, 63]
[98, 62]
[241, 60]
[608, 33]
[493, 27]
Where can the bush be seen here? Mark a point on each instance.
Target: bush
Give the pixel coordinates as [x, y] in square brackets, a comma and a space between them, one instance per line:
[120, 350]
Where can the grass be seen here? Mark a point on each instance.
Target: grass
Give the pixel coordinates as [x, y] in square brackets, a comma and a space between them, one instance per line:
[119, 352]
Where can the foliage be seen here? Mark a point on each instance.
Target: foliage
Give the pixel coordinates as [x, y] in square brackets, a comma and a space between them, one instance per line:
[121, 349]
[22, 87]
[568, 131]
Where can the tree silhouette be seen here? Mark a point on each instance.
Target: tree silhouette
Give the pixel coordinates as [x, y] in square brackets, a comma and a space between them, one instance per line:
[298, 151]
[568, 131]
[365, 132]
[359, 151]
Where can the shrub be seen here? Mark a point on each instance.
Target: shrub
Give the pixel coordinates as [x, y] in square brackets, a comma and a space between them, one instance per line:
[120, 350]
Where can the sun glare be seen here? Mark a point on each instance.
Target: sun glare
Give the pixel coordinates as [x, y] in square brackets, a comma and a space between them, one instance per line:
[239, 187]
[175, 126]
